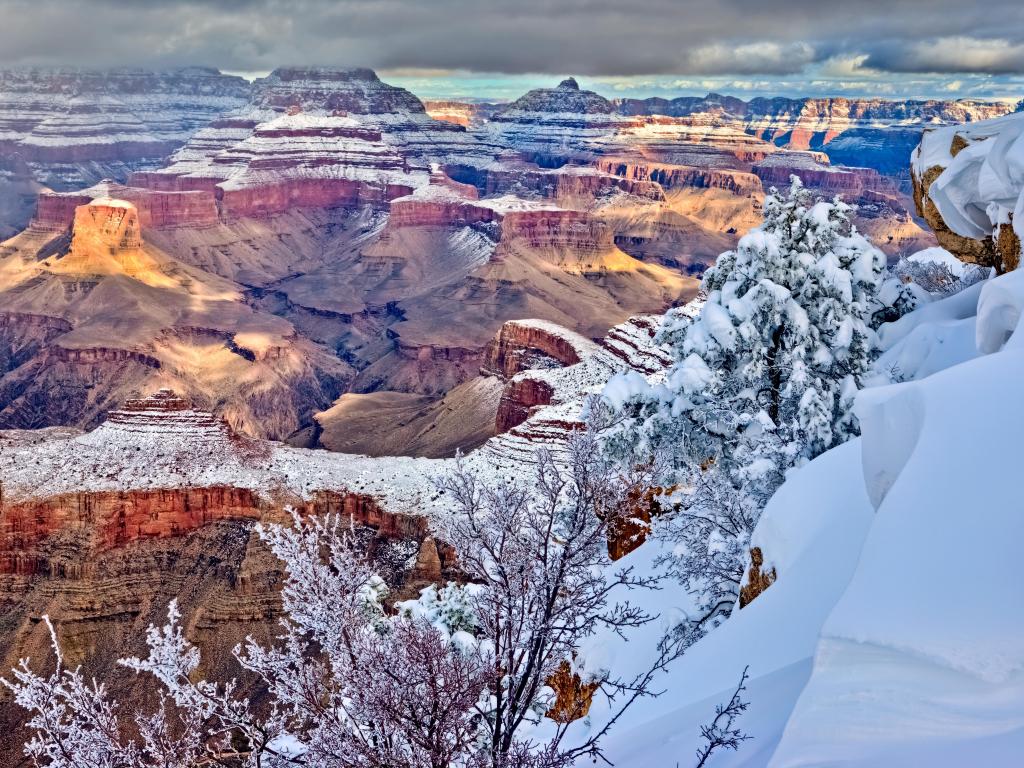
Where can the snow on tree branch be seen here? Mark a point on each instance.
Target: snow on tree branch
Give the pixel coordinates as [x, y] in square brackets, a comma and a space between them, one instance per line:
[764, 379]
[722, 733]
[456, 679]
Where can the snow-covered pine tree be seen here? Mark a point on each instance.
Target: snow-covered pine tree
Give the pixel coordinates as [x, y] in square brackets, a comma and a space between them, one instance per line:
[766, 373]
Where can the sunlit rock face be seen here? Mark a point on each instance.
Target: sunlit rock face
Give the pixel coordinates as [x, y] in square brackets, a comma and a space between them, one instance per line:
[106, 224]
[92, 313]
[467, 114]
[106, 240]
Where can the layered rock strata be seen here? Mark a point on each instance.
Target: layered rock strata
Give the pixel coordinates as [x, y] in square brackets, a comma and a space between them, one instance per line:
[73, 127]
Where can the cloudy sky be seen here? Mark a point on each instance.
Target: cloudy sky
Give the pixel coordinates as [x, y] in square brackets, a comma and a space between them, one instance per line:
[499, 48]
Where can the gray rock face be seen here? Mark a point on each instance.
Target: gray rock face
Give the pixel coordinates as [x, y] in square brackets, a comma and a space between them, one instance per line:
[567, 97]
[356, 91]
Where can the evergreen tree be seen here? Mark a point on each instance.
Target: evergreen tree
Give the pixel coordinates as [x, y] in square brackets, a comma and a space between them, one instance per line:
[767, 371]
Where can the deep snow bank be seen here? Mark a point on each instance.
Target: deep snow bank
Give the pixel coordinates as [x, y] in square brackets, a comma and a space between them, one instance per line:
[893, 635]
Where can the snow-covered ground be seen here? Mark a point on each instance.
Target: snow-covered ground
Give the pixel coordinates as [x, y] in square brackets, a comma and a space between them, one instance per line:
[894, 635]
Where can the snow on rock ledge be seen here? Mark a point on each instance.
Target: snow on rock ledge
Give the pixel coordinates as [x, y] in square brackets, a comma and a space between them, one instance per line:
[969, 186]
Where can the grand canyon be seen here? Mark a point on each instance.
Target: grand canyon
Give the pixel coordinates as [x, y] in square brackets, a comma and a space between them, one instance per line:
[318, 240]
[229, 304]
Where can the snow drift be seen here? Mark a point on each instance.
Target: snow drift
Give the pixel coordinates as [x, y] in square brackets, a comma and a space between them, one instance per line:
[892, 636]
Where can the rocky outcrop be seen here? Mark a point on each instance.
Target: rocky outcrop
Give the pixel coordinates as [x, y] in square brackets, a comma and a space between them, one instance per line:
[573, 697]
[519, 351]
[523, 345]
[100, 356]
[967, 188]
[520, 397]
[309, 161]
[758, 579]
[631, 343]
[566, 97]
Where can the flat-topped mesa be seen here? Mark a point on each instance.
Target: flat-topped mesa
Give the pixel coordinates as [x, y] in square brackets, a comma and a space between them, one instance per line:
[441, 203]
[356, 91]
[105, 226]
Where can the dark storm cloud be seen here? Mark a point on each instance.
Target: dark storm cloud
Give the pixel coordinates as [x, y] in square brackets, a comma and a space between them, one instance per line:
[589, 37]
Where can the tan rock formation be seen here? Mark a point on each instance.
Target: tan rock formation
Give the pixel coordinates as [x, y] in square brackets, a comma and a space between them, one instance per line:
[522, 345]
[967, 249]
[573, 696]
[758, 580]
